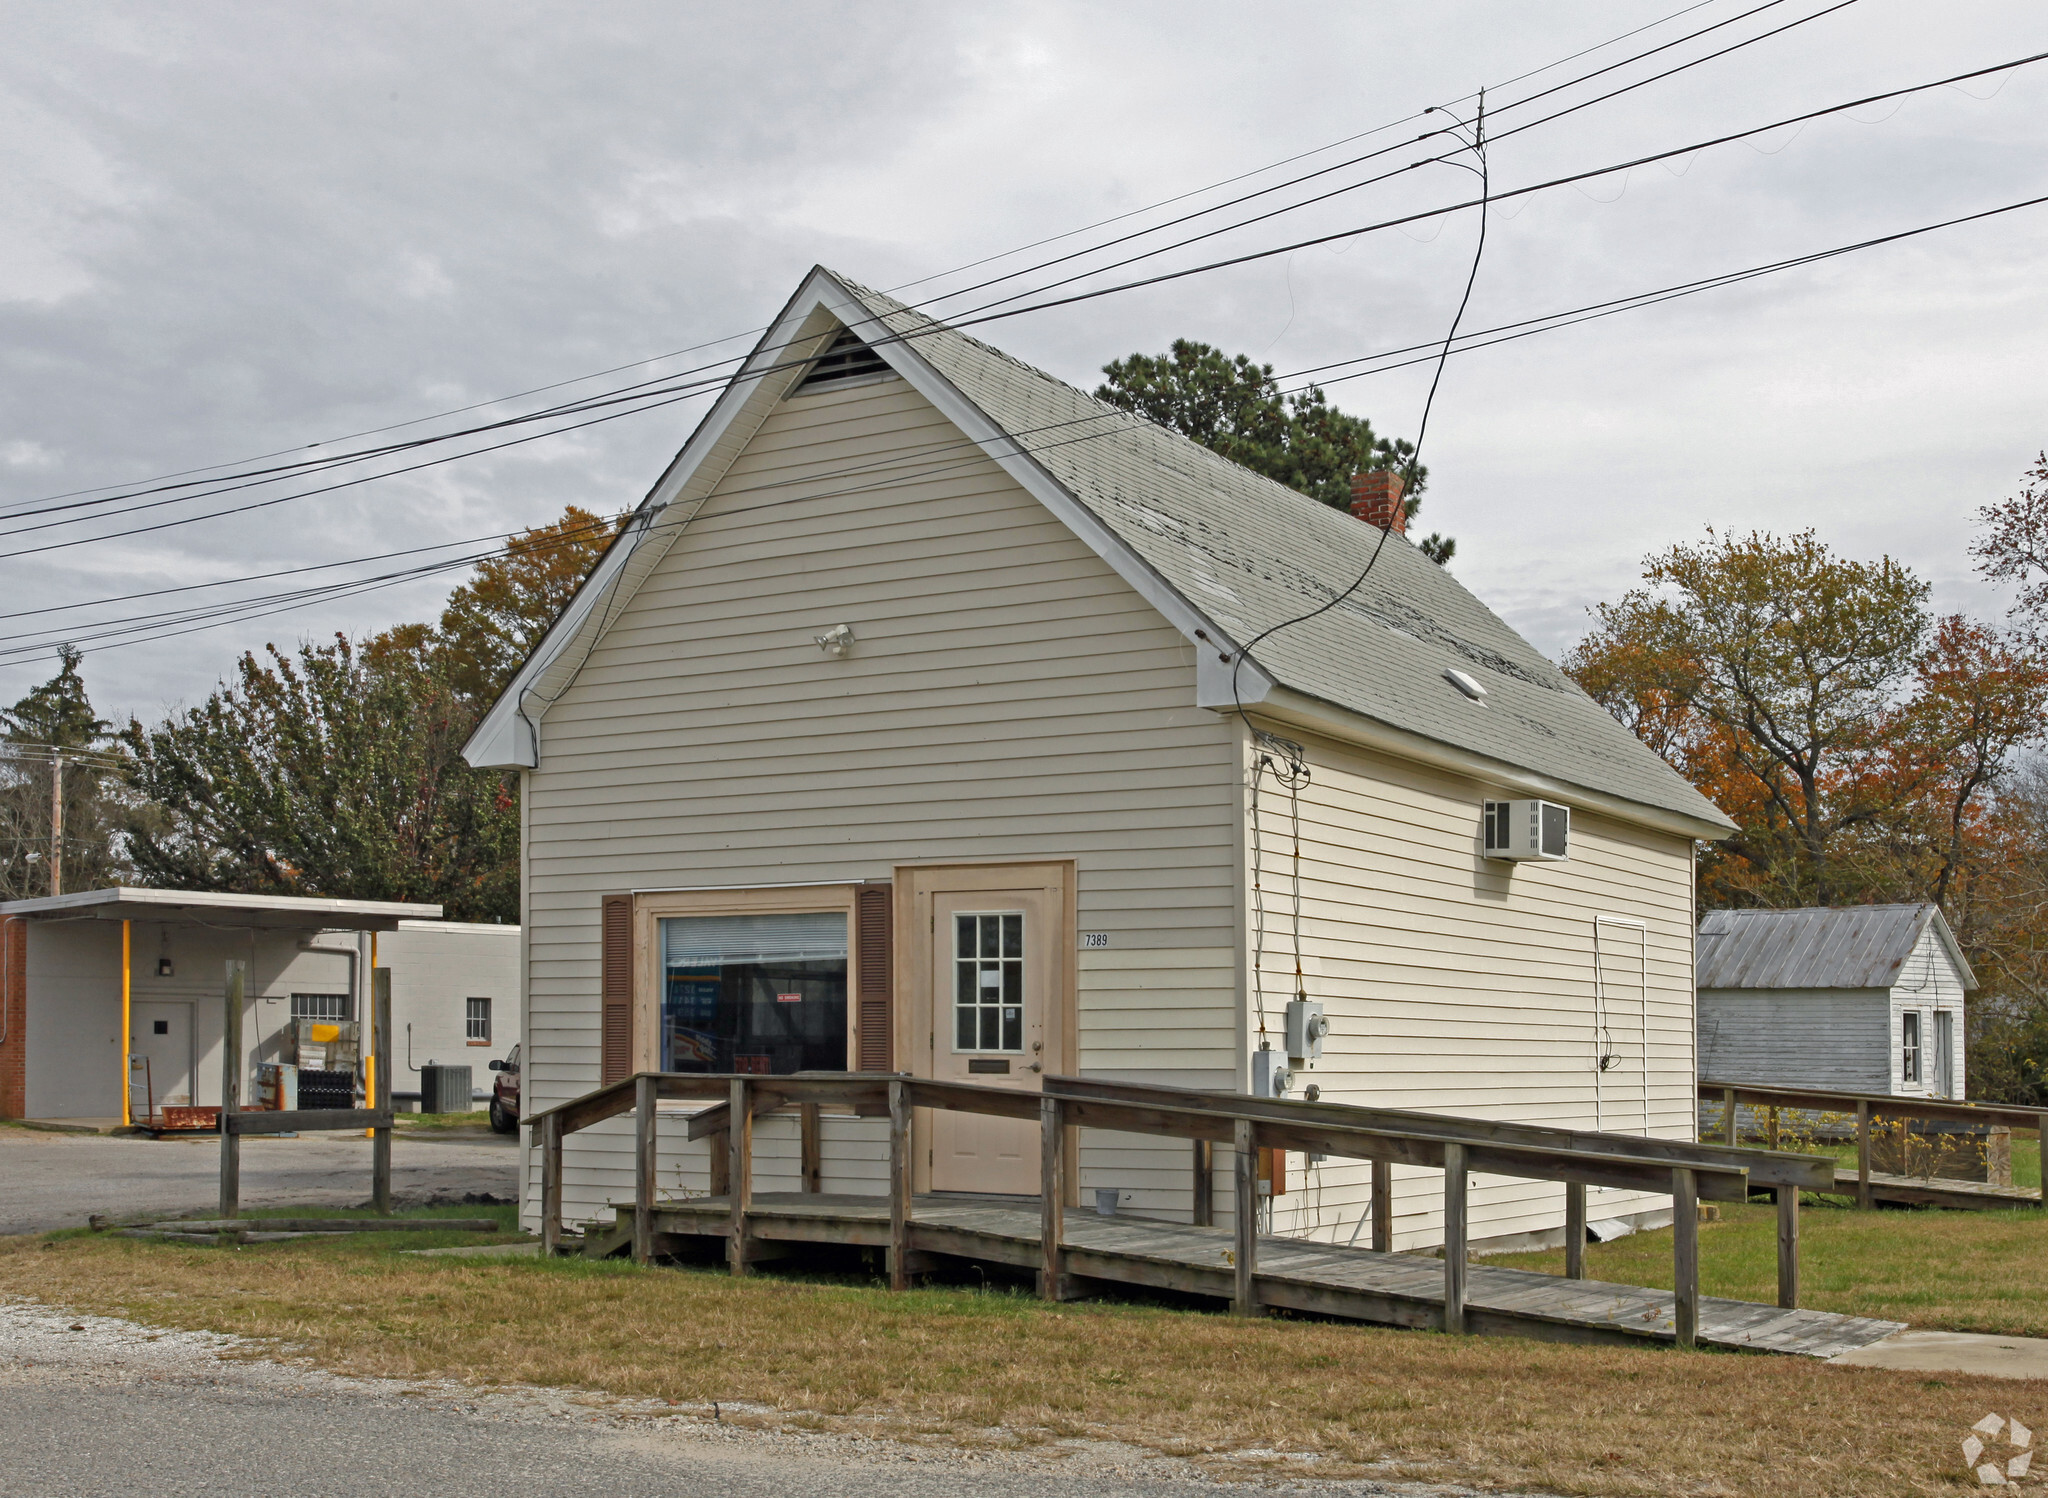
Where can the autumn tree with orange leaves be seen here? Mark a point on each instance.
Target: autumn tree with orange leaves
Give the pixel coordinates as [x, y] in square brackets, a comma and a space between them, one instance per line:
[1866, 750]
[336, 770]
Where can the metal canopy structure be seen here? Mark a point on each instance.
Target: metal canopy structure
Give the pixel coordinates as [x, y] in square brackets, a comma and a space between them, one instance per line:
[263, 912]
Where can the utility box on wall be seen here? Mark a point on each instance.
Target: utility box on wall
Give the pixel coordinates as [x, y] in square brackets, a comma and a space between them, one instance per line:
[1527, 831]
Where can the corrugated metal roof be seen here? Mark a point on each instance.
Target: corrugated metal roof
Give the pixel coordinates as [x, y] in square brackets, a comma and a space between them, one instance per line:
[1844, 946]
[1250, 553]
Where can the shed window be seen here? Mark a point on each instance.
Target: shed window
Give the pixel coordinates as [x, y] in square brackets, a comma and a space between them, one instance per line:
[477, 1019]
[1909, 1049]
[323, 1006]
[754, 993]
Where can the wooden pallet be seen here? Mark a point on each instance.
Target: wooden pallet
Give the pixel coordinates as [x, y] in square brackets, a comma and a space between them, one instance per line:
[1299, 1274]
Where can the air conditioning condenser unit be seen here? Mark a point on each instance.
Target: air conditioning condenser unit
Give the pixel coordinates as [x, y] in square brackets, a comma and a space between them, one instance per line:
[1522, 831]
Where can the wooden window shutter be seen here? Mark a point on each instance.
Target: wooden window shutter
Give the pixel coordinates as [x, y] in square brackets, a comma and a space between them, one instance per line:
[875, 936]
[615, 988]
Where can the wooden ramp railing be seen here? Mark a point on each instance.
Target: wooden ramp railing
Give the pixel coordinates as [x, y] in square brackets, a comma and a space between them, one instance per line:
[1867, 1108]
[1455, 1146]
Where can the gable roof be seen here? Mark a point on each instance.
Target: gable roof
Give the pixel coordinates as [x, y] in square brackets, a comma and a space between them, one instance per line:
[1222, 552]
[1850, 946]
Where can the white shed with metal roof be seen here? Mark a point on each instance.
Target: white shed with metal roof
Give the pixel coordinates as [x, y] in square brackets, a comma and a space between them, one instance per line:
[931, 714]
[1859, 998]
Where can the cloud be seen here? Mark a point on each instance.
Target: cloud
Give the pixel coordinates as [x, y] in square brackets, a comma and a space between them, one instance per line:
[238, 230]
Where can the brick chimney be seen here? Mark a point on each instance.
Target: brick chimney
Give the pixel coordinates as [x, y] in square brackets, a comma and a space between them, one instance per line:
[1376, 499]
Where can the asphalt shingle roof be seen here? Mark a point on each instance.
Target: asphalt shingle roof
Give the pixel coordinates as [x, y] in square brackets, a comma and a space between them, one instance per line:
[1249, 553]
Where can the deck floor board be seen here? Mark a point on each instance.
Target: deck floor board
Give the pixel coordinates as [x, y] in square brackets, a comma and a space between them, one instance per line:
[1936, 1192]
[1356, 1281]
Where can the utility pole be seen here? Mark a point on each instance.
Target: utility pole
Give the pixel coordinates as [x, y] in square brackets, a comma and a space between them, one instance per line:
[56, 824]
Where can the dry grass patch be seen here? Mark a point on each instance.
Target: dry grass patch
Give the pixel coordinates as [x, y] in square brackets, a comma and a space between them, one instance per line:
[1951, 1271]
[993, 1364]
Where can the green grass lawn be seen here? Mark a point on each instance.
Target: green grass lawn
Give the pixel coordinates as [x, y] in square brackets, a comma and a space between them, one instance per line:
[1952, 1271]
[478, 1119]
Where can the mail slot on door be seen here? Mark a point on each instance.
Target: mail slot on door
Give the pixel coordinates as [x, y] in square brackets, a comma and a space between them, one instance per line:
[989, 1066]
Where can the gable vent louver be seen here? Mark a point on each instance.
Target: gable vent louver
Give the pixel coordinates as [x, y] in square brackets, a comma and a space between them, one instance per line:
[847, 360]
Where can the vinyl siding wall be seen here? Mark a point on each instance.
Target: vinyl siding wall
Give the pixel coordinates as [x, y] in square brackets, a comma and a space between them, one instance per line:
[1464, 985]
[1008, 697]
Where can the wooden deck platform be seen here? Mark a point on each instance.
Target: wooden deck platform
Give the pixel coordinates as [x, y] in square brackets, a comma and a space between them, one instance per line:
[1920, 1191]
[1353, 1283]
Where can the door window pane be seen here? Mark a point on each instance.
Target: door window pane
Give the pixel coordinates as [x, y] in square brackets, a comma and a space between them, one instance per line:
[754, 993]
[988, 982]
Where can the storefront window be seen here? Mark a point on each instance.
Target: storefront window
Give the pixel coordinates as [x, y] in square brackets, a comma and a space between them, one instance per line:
[754, 993]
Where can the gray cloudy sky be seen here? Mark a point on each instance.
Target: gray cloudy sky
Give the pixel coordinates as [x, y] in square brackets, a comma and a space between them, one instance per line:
[232, 229]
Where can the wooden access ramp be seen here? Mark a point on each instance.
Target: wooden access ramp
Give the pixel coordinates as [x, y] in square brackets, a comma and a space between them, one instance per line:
[1354, 1284]
[1367, 1284]
[1865, 1184]
[1935, 1191]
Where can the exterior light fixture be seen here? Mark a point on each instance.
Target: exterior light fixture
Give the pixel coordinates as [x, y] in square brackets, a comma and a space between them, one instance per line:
[163, 967]
[836, 641]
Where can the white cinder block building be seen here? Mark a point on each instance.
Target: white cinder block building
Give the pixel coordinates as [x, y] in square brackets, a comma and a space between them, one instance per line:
[113, 988]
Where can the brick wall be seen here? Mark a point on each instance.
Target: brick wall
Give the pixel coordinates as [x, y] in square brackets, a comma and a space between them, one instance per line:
[13, 1017]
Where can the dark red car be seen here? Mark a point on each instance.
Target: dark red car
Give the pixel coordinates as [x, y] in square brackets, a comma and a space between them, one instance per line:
[505, 1094]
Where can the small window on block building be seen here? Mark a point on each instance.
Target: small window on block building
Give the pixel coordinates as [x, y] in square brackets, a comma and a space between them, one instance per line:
[478, 1021]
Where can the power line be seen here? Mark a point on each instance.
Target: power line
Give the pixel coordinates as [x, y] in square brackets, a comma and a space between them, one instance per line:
[1534, 187]
[300, 467]
[653, 399]
[1483, 338]
[971, 265]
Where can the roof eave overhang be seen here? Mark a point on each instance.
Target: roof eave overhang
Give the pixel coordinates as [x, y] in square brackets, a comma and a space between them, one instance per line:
[174, 907]
[1298, 709]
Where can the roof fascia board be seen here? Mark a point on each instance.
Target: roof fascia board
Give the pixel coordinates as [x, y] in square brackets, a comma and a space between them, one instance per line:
[86, 902]
[1008, 454]
[1300, 710]
[508, 737]
[1948, 942]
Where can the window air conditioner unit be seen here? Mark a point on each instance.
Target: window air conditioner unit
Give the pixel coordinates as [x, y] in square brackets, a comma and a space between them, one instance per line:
[1524, 830]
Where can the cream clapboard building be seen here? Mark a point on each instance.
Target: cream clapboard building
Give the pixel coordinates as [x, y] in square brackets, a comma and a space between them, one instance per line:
[906, 726]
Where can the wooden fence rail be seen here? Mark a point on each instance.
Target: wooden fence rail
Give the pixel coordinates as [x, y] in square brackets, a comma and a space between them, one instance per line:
[1867, 1108]
[1457, 1147]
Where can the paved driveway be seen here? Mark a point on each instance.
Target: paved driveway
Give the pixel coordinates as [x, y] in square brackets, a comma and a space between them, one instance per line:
[56, 1180]
[95, 1408]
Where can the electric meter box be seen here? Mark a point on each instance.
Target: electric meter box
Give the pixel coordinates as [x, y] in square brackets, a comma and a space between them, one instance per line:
[1270, 1077]
[1306, 1028]
[1528, 831]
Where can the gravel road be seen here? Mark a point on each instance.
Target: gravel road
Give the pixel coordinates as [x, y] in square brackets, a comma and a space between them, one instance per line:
[56, 1180]
[93, 1406]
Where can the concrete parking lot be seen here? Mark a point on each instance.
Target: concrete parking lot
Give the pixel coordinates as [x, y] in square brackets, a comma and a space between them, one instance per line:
[50, 1181]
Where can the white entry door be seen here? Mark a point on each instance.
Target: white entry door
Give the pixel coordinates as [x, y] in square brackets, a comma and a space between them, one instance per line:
[994, 966]
[159, 1057]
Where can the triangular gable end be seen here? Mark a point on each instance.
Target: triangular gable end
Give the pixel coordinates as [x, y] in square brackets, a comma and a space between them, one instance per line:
[1171, 519]
[822, 309]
